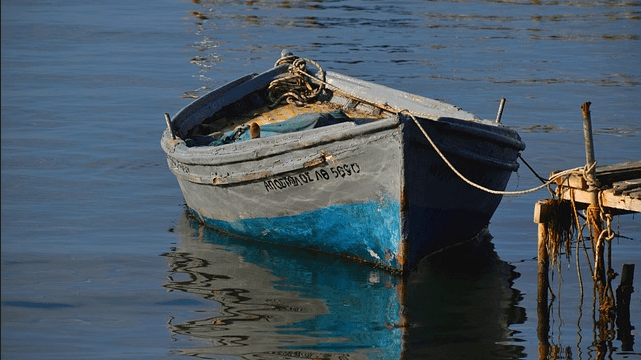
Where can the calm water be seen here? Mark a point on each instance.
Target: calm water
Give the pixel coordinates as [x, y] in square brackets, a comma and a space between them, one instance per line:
[100, 261]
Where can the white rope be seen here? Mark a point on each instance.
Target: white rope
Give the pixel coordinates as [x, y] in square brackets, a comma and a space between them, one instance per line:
[496, 192]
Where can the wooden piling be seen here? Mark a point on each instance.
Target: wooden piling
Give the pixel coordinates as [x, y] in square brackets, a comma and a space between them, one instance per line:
[624, 293]
[543, 283]
[543, 265]
[542, 211]
[594, 210]
[542, 214]
[589, 149]
[590, 164]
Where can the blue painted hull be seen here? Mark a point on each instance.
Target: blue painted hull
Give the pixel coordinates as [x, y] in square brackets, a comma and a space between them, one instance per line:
[373, 190]
[346, 230]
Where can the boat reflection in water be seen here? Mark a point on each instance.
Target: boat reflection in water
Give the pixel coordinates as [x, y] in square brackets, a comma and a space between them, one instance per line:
[268, 302]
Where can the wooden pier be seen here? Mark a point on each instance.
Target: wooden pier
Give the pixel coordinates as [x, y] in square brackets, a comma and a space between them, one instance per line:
[619, 191]
[619, 188]
[601, 192]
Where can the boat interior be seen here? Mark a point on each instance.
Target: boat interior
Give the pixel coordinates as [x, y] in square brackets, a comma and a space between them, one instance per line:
[255, 115]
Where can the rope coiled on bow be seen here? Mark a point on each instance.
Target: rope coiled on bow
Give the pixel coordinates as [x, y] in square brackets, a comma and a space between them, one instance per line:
[297, 87]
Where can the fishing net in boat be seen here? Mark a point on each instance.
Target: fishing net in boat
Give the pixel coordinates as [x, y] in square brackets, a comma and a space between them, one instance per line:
[297, 123]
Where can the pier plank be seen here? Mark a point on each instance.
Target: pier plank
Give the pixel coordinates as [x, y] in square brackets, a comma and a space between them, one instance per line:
[620, 186]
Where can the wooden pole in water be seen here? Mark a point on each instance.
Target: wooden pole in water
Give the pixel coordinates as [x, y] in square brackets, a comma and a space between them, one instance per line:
[542, 211]
[624, 293]
[589, 155]
[541, 217]
[543, 314]
[594, 211]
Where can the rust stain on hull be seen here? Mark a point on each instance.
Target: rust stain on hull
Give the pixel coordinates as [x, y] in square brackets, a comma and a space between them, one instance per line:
[402, 256]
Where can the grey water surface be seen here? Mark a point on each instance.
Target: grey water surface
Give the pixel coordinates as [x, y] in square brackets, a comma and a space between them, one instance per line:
[101, 261]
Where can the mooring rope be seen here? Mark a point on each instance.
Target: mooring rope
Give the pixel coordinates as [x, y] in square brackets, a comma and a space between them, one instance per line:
[296, 89]
[480, 187]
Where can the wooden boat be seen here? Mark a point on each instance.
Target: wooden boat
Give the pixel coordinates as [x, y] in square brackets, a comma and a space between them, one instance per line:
[318, 160]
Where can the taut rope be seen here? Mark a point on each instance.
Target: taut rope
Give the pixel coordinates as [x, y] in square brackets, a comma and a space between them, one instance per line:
[296, 88]
[480, 187]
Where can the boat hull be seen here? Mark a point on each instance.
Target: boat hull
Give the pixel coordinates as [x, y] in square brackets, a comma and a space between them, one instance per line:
[375, 192]
[383, 197]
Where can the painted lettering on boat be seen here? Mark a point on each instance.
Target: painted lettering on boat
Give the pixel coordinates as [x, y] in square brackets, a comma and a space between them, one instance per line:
[335, 172]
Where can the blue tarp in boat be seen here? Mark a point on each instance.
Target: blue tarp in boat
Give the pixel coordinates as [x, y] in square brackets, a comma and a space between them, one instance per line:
[296, 123]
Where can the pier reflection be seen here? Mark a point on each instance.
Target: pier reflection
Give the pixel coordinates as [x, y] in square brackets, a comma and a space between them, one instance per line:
[601, 316]
[268, 302]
